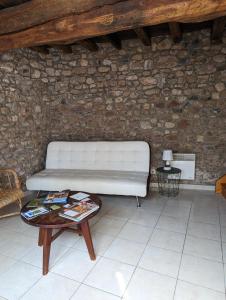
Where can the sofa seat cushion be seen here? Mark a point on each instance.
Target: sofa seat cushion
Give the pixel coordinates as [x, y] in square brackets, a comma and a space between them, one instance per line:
[91, 181]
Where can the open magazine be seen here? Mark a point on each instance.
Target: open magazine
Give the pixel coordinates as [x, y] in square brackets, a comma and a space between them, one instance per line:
[79, 211]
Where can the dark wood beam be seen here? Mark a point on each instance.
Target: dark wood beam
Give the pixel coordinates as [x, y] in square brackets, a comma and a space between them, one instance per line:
[114, 40]
[40, 49]
[105, 19]
[175, 31]
[218, 29]
[143, 36]
[37, 12]
[88, 44]
[64, 48]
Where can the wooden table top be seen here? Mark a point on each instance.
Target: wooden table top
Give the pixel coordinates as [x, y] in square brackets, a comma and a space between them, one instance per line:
[53, 220]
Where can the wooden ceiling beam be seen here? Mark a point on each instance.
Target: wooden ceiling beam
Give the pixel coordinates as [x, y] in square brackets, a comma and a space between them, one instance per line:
[88, 44]
[175, 31]
[102, 20]
[114, 40]
[37, 12]
[143, 36]
[218, 29]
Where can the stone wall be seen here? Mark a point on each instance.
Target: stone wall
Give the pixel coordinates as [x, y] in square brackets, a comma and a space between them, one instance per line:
[172, 96]
[24, 112]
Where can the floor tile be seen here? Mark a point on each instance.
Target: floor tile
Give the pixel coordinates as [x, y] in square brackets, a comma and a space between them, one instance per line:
[147, 285]
[179, 202]
[67, 239]
[89, 293]
[125, 251]
[17, 247]
[205, 216]
[154, 206]
[176, 211]
[203, 247]
[223, 219]
[6, 263]
[101, 243]
[172, 224]
[136, 233]
[52, 287]
[162, 261]
[188, 291]
[223, 233]
[144, 217]
[14, 224]
[32, 231]
[35, 255]
[203, 272]
[109, 225]
[18, 279]
[110, 276]
[202, 230]
[74, 265]
[224, 251]
[121, 211]
[167, 239]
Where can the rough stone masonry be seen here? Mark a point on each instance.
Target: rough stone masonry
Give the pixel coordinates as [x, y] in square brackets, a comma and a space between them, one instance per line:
[170, 95]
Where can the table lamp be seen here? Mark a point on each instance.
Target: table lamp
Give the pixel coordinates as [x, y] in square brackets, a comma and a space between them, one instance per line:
[167, 157]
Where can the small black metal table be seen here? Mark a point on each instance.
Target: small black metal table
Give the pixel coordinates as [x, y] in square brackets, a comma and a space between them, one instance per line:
[168, 181]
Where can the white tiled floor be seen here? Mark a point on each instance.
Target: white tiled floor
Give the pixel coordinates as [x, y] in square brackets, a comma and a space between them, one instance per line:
[169, 249]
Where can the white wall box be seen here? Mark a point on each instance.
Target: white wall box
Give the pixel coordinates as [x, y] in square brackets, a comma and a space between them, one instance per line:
[185, 162]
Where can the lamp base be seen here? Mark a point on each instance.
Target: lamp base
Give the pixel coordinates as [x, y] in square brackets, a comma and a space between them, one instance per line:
[167, 168]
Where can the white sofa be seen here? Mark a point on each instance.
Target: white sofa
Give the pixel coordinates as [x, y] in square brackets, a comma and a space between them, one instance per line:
[116, 168]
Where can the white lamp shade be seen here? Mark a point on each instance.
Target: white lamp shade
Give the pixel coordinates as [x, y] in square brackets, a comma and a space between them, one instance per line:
[167, 155]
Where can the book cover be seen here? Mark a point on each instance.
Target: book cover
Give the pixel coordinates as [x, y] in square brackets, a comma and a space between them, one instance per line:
[79, 196]
[32, 213]
[56, 197]
[35, 203]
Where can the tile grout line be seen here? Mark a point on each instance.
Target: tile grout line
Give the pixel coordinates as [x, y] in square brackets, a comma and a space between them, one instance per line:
[224, 267]
[153, 228]
[182, 250]
[137, 265]
[101, 256]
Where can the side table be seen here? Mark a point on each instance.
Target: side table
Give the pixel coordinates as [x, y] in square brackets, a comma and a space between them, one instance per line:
[168, 181]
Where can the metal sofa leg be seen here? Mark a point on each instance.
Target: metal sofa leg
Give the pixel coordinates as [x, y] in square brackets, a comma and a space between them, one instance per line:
[138, 202]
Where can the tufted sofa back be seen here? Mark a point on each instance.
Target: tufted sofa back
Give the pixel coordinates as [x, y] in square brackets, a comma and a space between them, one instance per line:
[122, 156]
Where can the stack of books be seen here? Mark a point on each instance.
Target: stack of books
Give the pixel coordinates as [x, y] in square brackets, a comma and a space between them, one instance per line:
[79, 211]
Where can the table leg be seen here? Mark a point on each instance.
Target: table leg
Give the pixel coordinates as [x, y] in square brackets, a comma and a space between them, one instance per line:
[40, 236]
[47, 237]
[88, 239]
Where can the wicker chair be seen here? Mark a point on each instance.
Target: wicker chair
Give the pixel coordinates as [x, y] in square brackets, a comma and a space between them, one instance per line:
[10, 190]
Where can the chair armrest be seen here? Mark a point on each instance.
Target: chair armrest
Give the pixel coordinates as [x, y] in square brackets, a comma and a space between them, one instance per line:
[8, 172]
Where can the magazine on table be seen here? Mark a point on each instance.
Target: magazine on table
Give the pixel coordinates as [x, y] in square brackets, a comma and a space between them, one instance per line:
[32, 213]
[56, 197]
[35, 203]
[79, 211]
[79, 196]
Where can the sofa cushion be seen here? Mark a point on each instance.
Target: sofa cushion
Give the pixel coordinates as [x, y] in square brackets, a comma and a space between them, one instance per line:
[91, 181]
[117, 156]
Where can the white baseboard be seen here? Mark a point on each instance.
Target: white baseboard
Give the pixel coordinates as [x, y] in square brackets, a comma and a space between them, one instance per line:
[189, 186]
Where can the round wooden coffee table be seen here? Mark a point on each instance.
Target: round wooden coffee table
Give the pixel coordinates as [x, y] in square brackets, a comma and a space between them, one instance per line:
[52, 220]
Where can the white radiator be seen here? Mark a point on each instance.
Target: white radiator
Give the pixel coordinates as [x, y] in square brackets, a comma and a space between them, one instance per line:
[185, 162]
